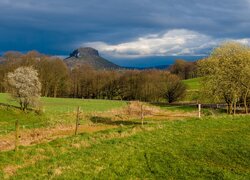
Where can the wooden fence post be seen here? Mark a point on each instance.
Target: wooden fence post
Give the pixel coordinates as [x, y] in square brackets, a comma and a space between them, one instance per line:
[142, 114]
[16, 135]
[199, 110]
[77, 119]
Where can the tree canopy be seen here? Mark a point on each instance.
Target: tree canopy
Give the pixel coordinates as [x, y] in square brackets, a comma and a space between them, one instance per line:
[227, 74]
[24, 85]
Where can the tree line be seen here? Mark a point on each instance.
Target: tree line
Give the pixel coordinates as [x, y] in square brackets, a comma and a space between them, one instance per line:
[57, 80]
[184, 69]
[225, 78]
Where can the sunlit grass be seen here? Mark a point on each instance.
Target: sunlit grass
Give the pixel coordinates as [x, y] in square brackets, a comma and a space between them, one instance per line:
[61, 105]
[210, 148]
[192, 84]
[55, 110]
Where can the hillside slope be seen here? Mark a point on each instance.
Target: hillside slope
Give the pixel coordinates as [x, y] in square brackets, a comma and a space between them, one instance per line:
[89, 56]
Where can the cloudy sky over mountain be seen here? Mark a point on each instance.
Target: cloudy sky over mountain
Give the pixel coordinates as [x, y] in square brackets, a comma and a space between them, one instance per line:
[123, 29]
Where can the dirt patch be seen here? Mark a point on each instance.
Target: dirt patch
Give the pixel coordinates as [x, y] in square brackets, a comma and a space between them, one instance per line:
[135, 110]
[10, 170]
[58, 171]
[128, 115]
[36, 136]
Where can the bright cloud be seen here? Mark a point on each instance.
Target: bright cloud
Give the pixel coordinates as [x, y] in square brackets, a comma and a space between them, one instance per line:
[171, 43]
[58, 26]
[245, 41]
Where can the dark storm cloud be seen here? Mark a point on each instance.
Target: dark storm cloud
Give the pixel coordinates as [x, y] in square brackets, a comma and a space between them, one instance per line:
[58, 26]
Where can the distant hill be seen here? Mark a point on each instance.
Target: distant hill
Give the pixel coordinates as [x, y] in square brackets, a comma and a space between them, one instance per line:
[160, 67]
[89, 56]
[2, 60]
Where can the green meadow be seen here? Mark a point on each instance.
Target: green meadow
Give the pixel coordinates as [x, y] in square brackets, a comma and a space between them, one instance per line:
[209, 148]
[193, 87]
[213, 147]
[55, 111]
[62, 105]
[192, 84]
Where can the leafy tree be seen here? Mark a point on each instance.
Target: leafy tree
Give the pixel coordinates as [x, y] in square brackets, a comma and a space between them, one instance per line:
[24, 86]
[226, 74]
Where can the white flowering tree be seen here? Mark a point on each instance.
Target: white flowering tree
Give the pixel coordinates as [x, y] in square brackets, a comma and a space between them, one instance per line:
[24, 86]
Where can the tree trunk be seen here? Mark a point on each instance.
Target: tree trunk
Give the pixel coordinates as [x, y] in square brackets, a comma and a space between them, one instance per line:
[231, 108]
[227, 108]
[235, 107]
[25, 106]
[46, 91]
[245, 102]
[55, 91]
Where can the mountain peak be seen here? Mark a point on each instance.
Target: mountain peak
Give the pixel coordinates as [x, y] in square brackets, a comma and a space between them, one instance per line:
[84, 52]
[89, 56]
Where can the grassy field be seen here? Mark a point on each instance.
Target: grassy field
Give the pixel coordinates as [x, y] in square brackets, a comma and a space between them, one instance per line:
[193, 87]
[211, 148]
[192, 84]
[56, 110]
[8, 116]
[62, 105]
[174, 146]
[176, 107]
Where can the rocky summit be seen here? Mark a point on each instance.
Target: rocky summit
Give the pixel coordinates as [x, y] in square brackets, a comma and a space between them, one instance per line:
[89, 56]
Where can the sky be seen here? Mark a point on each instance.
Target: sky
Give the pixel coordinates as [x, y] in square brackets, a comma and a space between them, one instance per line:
[131, 32]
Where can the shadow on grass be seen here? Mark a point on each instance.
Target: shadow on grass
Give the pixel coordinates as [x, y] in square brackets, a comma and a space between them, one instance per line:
[106, 120]
[8, 106]
[175, 107]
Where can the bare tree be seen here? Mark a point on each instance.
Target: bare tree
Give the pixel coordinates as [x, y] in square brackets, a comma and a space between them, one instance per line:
[24, 86]
[175, 89]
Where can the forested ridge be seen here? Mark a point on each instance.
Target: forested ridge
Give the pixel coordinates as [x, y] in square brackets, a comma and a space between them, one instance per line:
[84, 81]
[224, 78]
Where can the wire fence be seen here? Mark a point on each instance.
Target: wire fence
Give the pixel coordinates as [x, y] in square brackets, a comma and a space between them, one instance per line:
[16, 126]
[203, 105]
